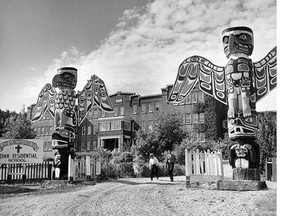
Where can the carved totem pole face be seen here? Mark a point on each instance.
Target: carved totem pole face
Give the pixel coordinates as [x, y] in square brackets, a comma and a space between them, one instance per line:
[238, 40]
[66, 77]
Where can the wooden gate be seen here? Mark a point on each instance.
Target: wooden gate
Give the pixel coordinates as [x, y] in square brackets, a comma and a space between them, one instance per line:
[86, 168]
[203, 166]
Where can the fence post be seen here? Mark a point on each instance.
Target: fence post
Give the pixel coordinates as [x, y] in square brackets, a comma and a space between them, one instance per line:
[49, 171]
[88, 167]
[9, 176]
[221, 164]
[188, 167]
[274, 169]
[70, 168]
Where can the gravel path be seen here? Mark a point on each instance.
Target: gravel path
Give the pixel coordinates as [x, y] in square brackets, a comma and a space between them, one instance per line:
[138, 196]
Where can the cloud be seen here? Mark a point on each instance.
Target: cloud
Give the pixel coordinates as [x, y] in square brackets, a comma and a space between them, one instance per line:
[142, 54]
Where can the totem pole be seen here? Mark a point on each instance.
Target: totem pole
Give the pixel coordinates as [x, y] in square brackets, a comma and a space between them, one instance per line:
[69, 109]
[239, 84]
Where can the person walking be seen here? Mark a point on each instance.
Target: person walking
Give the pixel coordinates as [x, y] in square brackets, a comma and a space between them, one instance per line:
[153, 165]
[170, 161]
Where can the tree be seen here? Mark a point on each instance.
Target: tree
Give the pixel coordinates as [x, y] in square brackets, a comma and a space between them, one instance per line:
[168, 134]
[170, 130]
[17, 127]
[4, 116]
[267, 136]
[146, 143]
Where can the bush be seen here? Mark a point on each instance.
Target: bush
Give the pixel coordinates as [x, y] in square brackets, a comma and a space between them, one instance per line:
[126, 170]
[109, 170]
[179, 170]
[141, 170]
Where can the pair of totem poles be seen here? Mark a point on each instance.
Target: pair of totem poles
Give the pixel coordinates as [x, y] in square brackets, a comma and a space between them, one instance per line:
[239, 84]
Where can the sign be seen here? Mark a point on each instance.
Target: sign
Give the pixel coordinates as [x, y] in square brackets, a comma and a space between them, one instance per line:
[21, 151]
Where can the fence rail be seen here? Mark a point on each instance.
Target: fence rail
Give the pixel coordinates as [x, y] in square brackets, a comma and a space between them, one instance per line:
[35, 171]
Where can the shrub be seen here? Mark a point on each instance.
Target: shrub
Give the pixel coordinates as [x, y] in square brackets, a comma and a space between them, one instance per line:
[109, 170]
[141, 170]
[179, 170]
[126, 170]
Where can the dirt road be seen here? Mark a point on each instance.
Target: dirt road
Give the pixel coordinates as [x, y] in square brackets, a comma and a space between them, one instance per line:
[138, 197]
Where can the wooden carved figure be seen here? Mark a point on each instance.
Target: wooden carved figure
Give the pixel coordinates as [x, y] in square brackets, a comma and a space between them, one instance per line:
[239, 84]
[69, 108]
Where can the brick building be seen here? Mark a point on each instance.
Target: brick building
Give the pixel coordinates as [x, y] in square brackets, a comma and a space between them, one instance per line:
[116, 131]
[44, 129]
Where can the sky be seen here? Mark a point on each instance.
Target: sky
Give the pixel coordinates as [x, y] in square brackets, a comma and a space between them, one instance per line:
[133, 45]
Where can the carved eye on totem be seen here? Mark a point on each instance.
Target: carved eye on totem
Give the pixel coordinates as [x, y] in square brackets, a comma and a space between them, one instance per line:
[243, 37]
[226, 39]
[66, 75]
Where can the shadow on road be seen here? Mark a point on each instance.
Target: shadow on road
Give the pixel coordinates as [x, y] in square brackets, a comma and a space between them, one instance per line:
[15, 189]
[158, 182]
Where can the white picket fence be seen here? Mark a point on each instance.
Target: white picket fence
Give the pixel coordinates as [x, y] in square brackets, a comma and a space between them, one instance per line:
[83, 168]
[203, 166]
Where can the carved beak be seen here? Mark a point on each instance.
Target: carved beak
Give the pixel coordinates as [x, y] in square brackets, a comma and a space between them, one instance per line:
[231, 43]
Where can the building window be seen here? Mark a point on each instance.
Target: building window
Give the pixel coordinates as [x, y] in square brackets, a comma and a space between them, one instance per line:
[95, 113]
[119, 100]
[83, 130]
[82, 146]
[42, 131]
[195, 118]
[49, 143]
[115, 125]
[46, 130]
[134, 108]
[188, 99]
[90, 114]
[134, 126]
[143, 108]
[150, 125]
[188, 118]
[103, 115]
[94, 145]
[201, 117]
[104, 126]
[150, 107]
[95, 129]
[121, 111]
[45, 147]
[115, 111]
[143, 125]
[194, 97]
[88, 145]
[127, 125]
[201, 97]
[157, 106]
[88, 130]
[50, 130]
